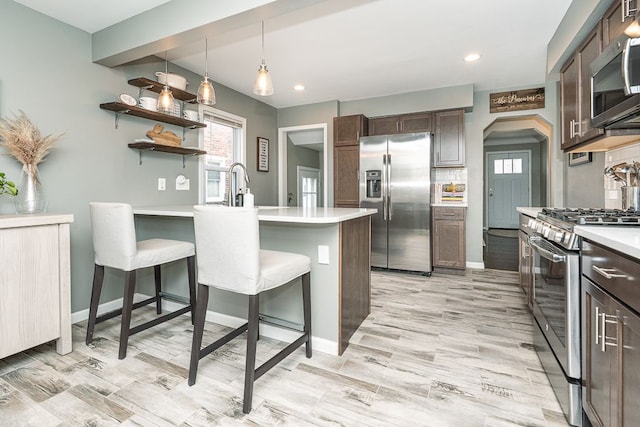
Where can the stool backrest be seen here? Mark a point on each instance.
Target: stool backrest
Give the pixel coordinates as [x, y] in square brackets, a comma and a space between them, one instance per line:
[114, 234]
[228, 248]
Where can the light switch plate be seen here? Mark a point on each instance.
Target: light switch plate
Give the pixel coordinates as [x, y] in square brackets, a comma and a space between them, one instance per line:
[162, 184]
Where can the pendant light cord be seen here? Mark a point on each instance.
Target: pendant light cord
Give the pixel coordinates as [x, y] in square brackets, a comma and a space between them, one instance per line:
[206, 58]
[263, 42]
[166, 67]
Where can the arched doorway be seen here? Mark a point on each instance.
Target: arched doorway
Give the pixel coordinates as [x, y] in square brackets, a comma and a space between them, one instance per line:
[516, 173]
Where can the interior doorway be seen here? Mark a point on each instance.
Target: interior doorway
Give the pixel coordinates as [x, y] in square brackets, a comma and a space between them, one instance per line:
[301, 146]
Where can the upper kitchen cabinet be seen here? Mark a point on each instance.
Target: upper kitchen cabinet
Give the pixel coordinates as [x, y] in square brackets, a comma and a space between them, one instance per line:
[347, 130]
[403, 123]
[448, 143]
[617, 19]
[575, 98]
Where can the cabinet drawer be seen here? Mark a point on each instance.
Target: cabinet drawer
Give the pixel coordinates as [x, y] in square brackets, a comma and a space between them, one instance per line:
[448, 213]
[613, 272]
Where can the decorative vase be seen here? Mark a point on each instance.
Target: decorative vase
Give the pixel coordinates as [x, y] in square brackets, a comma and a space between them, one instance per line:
[31, 197]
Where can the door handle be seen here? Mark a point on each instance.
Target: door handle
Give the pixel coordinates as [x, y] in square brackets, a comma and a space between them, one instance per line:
[389, 202]
[490, 192]
[607, 273]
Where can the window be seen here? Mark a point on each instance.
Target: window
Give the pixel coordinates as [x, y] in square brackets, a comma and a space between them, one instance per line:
[224, 140]
[507, 166]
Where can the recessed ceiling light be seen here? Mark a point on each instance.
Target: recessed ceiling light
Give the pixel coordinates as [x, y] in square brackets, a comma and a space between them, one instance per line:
[298, 88]
[472, 57]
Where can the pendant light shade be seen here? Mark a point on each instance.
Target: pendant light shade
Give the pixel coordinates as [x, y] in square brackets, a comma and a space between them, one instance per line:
[263, 85]
[206, 93]
[165, 100]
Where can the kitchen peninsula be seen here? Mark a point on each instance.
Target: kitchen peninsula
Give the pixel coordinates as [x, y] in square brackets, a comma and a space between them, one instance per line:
[336, 239]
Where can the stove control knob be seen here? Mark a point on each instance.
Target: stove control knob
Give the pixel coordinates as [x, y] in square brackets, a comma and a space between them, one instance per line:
[559, 236]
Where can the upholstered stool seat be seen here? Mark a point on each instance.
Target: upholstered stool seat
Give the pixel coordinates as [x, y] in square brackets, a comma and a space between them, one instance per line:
[115, 246]
[230, 258]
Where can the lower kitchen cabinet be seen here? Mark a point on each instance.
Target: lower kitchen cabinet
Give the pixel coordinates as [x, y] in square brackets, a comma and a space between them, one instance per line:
[449, 246]
[610, 337]
[525, 265]
[35, 283]
[612, 360]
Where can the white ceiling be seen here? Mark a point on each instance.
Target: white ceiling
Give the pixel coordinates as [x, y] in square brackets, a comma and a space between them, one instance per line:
[356, 49]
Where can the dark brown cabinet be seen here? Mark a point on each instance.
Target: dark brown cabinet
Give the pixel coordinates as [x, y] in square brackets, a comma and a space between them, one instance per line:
[610, 337]
[449, 238]
[612, 360]
[346, 163]
[617, 19]
[448, 143]
[525, 266]
[575, 97]
[403, 123]
[347, 131]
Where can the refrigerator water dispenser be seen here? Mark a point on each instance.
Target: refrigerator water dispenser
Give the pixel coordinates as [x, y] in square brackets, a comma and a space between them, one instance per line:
[374, 184]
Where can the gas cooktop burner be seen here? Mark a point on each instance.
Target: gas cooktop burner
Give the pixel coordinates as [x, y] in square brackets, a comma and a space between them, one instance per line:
[580, 216]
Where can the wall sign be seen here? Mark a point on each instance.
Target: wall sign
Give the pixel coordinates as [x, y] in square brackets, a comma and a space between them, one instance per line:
[527, 99]
[263, 154]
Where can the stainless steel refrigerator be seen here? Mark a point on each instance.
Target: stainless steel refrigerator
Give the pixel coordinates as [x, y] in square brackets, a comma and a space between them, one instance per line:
[395, 178]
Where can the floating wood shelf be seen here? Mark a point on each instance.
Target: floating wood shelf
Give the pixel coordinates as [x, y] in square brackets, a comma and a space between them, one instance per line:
[120, 108]
[150, 146]
[153, 86]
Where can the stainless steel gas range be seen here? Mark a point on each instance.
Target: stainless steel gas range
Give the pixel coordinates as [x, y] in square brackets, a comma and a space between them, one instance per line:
[557, 295]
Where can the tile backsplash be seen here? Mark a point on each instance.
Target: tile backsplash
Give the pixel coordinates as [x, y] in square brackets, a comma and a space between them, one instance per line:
[442, 176]
[612, 193]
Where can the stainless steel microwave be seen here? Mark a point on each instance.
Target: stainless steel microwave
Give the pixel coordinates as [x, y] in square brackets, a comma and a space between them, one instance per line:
[615, 85]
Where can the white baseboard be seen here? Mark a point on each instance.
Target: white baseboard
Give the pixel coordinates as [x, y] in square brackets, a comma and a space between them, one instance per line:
[476, 265]
[281, 334]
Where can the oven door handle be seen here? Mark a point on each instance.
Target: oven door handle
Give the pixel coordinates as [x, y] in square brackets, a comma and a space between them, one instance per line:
[545, 253]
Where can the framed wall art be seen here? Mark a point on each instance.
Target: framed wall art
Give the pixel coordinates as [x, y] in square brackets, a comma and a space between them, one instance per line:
[263, 154]
[576, 159]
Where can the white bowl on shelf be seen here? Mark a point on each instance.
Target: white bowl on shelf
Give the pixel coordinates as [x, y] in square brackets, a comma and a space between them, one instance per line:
[171, 79]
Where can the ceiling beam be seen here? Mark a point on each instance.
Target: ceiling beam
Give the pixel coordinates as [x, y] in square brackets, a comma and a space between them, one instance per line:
[181, 22]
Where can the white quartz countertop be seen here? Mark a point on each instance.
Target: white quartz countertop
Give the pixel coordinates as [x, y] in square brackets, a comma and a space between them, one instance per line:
[622, 239]
[271, 213]
[30, 220]
[529, 211]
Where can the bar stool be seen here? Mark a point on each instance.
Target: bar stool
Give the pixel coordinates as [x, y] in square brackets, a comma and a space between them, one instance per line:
[115, 246]
[230, 258]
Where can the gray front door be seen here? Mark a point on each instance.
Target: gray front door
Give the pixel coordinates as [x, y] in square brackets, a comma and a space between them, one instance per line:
[508, 187]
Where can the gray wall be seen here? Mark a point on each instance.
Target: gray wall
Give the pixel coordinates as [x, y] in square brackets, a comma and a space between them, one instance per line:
[47, 72]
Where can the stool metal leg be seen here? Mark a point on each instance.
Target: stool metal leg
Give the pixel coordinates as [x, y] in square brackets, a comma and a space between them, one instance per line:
[198, 329]
[96, 290]
[252, 341]
[306, 306]
[127, 307]
[191, 271]
[158, 281]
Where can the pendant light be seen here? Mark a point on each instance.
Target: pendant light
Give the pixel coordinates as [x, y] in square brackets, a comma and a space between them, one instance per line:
[263, 85]
[165, 100]
[206, 93]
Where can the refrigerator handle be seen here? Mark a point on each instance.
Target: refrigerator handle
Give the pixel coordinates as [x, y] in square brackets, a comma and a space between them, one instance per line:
[389, 202]
[384, 187]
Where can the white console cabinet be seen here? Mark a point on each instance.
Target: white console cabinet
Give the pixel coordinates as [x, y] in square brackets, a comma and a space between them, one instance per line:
[35, 294]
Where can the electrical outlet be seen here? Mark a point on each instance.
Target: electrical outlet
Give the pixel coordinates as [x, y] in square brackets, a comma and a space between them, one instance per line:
[162, 184]
[323, 254]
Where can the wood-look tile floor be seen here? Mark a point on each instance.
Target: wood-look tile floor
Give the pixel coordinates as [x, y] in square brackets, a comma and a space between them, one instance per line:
[439, 351]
